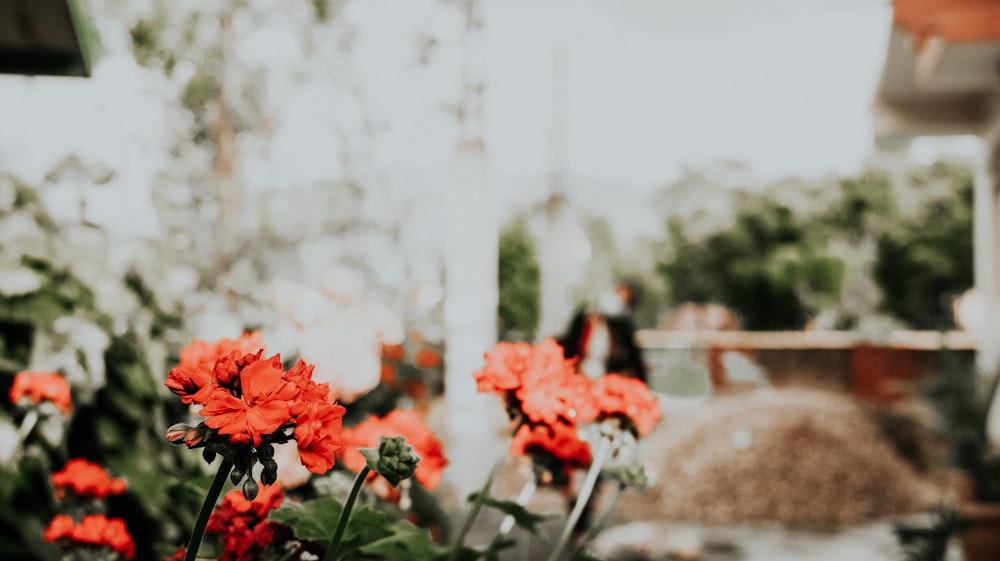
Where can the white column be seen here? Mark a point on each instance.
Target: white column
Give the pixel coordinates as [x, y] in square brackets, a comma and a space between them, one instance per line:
[470, 303]
[987, 263]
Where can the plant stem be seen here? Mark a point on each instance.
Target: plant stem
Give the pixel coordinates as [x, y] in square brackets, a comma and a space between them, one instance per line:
[27, 425]
[583, 498]
[206, 509]
[522, 499]
[603, 520]
[477, 505]
[332, 549]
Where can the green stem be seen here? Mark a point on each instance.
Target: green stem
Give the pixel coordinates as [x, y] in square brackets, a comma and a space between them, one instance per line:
[27, 425]
[477, 505]
[206, 509]
[333, 548]
[604, 518]
[581, 501]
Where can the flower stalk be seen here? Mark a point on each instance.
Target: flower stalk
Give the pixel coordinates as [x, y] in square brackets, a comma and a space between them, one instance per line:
[602, 521]
[588, 487]
[206, 509]
[507, 524]
[333, 548]
[477, 505]
[27, 425]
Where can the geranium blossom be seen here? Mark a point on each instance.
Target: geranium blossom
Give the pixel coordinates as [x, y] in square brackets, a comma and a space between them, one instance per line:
[37, 387]
[95, 530]
[630, 397]
[242, 525]
[559, 396]
[251, 402]
[262, 405]
[85, 479]
[192, 379]
[506, 363]
[399, 422]
[560, 440]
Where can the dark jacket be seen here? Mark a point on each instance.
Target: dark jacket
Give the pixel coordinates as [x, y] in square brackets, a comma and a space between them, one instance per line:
[625, 357]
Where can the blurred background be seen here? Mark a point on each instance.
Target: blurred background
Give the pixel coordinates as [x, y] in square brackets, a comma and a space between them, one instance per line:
[800, 194]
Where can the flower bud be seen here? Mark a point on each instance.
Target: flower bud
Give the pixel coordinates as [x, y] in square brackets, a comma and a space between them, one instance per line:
[393, 459]
[250, 489]
[177, 433]
[209, 455]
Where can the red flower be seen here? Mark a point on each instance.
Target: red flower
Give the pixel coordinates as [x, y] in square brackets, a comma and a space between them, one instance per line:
[60, 527]
[261, 409]
[42, 386]
[559, 439]
[559, 396]
[394, 353]
[193, 377]
[318, 434]
[619, 395]
[85, 479]
[427, 358]
[398, 422]
[243, 526]
[506, 363]
[95, 529]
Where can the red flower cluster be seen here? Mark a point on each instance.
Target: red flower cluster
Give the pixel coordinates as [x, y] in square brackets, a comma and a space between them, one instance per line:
[398, 422]
[85, 479]
[243, 526]
[42, 386]
[543, 389]
[560, 440]
[253, 402]
[629, 397]
[94, 529]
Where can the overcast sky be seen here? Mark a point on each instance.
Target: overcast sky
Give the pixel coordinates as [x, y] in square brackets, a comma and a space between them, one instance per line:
[647, 87]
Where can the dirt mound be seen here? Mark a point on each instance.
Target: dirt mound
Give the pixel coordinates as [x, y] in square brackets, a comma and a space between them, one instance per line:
[791, 456]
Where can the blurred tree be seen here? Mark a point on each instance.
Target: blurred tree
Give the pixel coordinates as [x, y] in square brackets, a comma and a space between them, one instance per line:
[925, 260]
[770, 266]
[519, 283]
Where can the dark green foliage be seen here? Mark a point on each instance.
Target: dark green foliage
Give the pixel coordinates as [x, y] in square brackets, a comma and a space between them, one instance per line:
[770, 266]
[775, 266]
[518, 280]
[926, 261]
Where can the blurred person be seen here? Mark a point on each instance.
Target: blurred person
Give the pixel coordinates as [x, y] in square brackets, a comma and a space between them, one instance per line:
[603, 337]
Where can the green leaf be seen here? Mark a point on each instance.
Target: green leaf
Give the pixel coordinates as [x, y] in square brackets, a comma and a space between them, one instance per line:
[522, 516]
[313, 520]
[366, 525]
[405, 542]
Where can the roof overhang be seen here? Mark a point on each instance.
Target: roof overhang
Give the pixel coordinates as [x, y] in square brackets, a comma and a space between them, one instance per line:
[45, 37]
[936, 88]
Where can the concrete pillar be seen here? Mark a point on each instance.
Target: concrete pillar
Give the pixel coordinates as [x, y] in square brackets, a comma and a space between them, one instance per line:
[987, 263]
[470, 302]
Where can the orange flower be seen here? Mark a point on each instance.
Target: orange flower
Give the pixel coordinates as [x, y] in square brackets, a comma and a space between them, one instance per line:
[42, 386]
[505, 364]
[394, 353]
[318, 434]
[561, 396]
[261, 409]
[630, 397]
[97, 529]
[60, 527]
[85, 479]
[194, 376]
[398, 422]
[558, 439]
[268, 498]
[427, 358]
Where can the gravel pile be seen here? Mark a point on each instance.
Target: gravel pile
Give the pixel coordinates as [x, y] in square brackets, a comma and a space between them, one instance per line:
[796, 457]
